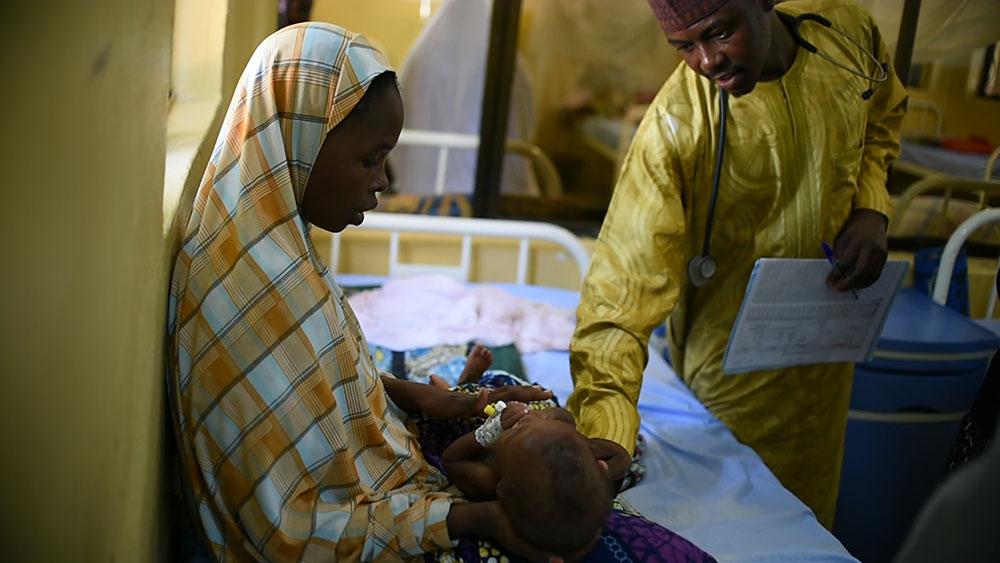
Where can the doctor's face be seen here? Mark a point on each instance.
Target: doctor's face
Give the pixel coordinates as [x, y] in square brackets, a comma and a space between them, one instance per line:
[729, 46]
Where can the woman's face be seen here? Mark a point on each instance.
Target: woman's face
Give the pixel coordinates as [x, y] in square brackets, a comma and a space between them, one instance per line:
[350, 167]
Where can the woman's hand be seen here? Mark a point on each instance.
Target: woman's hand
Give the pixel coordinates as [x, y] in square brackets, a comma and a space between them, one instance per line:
[430, 400]
[861, 250]
[443, 404]
[507, 394]
[522, 393]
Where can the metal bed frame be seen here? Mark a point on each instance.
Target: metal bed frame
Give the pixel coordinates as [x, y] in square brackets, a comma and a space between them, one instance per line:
[524, 232]
[548, 178]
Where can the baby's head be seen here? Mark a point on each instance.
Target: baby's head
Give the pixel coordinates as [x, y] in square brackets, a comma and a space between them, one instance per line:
[555, 493]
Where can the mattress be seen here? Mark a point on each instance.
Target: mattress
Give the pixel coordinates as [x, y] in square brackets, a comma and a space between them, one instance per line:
[700, 481]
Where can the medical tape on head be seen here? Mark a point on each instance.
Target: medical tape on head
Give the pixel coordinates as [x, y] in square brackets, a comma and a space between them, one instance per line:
[488, 433]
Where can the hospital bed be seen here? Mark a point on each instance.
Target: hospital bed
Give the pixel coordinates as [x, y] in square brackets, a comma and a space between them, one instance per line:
[949, 256]
[549, 203]
[929, 212]
[610, 137]
[700, 482]
[924, 160]
[447, 143]
[939, 214]
[924, 122]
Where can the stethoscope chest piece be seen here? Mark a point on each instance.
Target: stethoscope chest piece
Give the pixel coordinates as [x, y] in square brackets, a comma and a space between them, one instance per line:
[701, 268]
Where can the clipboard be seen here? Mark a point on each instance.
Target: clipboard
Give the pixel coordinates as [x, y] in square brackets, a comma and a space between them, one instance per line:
[789, 317]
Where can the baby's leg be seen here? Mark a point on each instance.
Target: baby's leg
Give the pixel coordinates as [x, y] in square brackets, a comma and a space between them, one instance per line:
[438, 381]
[480, 358]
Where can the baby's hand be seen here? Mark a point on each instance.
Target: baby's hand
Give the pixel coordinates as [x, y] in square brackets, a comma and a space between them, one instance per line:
[514, 412]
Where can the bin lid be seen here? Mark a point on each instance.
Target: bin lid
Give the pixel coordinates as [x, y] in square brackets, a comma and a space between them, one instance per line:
[918, 325]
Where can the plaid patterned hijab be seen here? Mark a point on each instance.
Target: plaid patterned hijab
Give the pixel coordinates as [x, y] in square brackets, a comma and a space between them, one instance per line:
[287, 440]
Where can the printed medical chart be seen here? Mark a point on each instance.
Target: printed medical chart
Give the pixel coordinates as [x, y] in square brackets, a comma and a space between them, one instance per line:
[790, 317]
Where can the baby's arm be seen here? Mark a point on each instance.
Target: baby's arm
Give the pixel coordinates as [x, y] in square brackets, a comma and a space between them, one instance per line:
[468, 463]
[467, 466]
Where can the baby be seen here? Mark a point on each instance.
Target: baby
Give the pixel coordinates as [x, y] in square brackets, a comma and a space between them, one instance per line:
[531, 459]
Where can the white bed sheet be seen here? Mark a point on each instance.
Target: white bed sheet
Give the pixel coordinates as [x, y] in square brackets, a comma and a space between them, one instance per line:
[700, 482]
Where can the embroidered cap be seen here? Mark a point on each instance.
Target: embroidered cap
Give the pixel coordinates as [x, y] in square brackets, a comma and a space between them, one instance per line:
[675, 15]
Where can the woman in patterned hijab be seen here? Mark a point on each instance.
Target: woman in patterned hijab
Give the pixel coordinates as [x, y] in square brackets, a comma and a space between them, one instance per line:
[290, 448]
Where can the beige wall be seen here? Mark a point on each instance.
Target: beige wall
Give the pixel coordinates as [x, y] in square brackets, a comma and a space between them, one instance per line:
[964, 113]
[392, 24]
[87, 257]
[247, 23]
[82, 305]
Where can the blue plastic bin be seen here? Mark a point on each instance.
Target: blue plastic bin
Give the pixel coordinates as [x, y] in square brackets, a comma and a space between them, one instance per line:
[906, 408]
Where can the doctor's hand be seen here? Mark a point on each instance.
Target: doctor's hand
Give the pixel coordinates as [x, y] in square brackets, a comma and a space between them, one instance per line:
[860, 249]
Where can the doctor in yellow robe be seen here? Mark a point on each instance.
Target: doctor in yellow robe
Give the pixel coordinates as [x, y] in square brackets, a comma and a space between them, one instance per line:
[806, 161]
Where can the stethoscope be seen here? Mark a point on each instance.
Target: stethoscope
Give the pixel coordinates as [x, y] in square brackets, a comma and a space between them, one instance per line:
[703, 267]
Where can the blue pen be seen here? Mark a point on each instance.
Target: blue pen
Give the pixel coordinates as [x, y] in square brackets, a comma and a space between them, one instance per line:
[829, 256]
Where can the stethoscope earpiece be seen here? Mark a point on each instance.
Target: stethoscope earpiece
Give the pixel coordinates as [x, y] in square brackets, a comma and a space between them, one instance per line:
[794, 22]
[871, 89]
